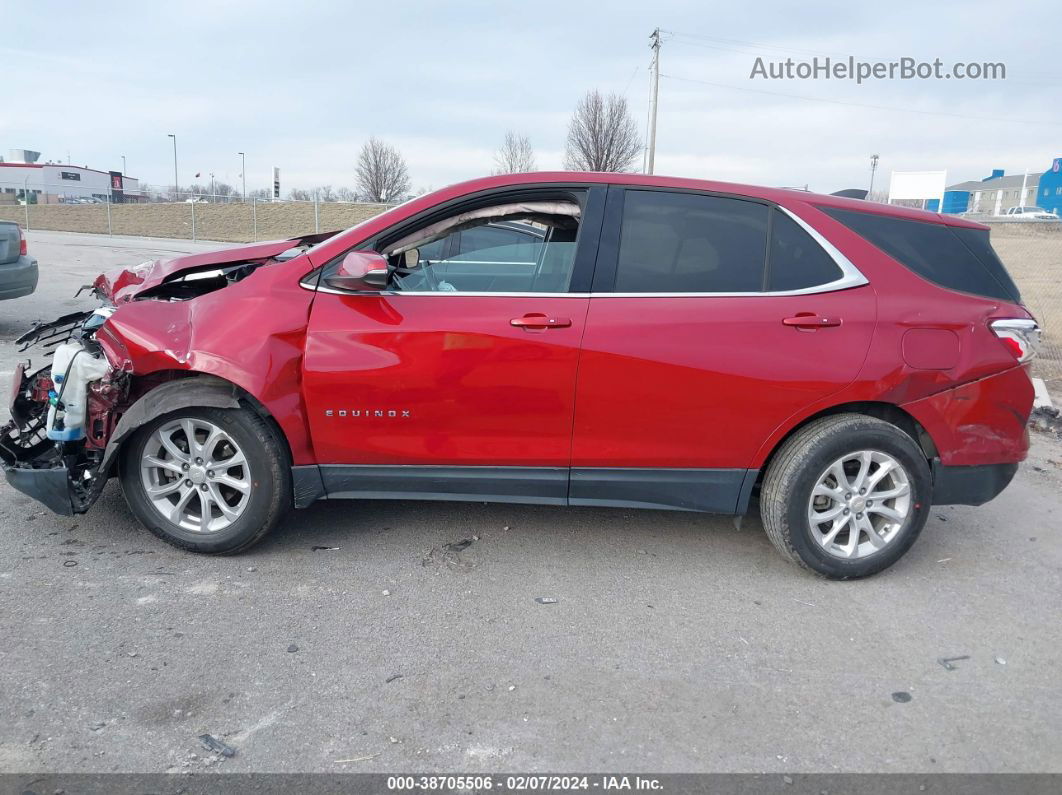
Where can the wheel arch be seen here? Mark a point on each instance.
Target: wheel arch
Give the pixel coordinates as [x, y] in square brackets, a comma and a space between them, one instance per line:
[888, 412]
[180, 389]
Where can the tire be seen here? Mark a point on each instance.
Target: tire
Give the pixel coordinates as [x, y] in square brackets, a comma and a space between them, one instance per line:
[257, 491]
[805, 462]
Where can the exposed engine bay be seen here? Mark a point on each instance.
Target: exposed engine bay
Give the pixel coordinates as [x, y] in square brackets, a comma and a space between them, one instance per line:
[69, 416]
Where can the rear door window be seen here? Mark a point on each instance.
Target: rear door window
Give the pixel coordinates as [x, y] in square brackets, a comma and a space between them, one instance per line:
[957, 258]
[690, 243]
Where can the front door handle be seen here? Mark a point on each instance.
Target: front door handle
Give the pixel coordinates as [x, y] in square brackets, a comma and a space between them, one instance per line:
[537, 322]
[809, 320]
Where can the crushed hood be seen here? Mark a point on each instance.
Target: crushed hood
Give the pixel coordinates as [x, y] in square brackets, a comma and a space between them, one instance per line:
[125, 284]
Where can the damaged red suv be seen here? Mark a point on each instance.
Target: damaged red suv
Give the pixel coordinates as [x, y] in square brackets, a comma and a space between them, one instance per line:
[556, 338]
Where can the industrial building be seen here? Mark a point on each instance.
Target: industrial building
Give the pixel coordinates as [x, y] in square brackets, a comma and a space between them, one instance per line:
[61, 183]
[998, 192]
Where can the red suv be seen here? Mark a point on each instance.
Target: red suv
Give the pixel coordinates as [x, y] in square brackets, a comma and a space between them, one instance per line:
[556, 338]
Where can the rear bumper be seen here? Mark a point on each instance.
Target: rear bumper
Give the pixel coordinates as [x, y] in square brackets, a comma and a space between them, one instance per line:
[974, 485]
[18, 278]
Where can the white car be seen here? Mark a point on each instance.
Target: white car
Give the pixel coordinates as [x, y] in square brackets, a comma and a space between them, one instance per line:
[1031, 214]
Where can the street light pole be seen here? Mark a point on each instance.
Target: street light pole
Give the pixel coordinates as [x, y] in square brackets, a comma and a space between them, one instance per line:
[123, 164]
[176, 182]
[243, 173]
[873, 168]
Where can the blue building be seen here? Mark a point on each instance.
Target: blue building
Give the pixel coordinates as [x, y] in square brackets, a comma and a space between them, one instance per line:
[993, 195]
[1049, 192]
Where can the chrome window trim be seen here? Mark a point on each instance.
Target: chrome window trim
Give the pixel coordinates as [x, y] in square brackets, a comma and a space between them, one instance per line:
[850, 277]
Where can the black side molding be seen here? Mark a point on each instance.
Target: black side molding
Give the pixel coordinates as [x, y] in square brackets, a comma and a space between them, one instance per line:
[538, 485]
[708, 490]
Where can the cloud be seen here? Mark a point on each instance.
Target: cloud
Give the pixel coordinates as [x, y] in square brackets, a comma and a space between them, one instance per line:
[302, 86]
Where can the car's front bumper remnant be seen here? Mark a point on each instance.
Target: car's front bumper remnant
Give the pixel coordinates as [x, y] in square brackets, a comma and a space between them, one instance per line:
[50, 487]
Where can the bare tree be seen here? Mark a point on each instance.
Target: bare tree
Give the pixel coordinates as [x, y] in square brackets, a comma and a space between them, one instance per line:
[260, 194]
[515, 155]
[381, 172]
[299, 195]
[325, 193]
[602, 135]
[346, 195]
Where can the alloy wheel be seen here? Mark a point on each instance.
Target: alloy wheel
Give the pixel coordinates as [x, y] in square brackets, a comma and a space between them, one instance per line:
[195, 475]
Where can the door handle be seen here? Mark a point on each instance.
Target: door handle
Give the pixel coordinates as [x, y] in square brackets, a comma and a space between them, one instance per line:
[537, 322]
[809, 320]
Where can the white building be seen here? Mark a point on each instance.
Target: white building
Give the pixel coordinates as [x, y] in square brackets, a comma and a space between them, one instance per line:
[59, 183]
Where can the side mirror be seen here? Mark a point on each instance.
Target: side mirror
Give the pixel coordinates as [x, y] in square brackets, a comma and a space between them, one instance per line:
[360, 271]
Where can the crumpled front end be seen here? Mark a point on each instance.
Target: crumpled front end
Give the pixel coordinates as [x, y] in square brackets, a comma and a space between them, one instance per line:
[214, 329]
[62, 415]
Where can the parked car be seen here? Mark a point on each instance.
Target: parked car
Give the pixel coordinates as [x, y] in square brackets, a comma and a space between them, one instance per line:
[1031, 214]
[555, 338]
[18, 270]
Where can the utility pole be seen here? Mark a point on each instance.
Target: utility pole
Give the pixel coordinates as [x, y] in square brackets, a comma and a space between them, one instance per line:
[213, 193]
[655, 47]
[1024, 183]
[123, 165]
[243, 173]
[176, 183]
[873, 168]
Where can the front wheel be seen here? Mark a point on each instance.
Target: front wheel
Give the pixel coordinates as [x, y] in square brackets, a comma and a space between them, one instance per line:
[846, 496]
[207, 480]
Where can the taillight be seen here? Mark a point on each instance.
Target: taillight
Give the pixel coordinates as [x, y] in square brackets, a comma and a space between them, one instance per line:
[1020, 337]
[22, 243]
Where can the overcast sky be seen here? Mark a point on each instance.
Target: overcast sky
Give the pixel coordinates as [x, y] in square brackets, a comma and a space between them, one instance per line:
[301, 85]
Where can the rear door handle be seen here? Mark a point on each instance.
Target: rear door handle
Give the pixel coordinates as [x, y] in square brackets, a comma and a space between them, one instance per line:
[537, 322]
[809, 320]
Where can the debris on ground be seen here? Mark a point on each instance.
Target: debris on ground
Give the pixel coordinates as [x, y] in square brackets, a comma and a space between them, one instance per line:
[69, 563]
[212, 743]
[901, 697]
[1000, 661]
[1046, 419]
[449, 553]
[385, 592]
[292, 648]
[393, 677]
[368, 758]
[323, 549]
[547, 600]
[393, 739]
[948, 662]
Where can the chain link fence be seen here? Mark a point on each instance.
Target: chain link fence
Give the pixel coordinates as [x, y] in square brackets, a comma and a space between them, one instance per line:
[196, 217]
[1032, 253]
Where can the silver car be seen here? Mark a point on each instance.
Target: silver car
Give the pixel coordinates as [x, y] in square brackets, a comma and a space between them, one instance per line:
[18, 270]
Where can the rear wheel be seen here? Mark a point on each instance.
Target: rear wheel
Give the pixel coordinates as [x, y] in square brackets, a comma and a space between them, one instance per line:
[207, 480]
[846, 496]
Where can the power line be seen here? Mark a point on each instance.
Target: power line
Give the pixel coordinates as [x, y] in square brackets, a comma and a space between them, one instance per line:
[891, 109]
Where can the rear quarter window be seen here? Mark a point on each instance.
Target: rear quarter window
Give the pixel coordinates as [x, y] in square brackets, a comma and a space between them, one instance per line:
[957, 258]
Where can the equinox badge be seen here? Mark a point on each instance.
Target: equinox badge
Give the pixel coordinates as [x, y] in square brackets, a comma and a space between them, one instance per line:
[367, 413]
